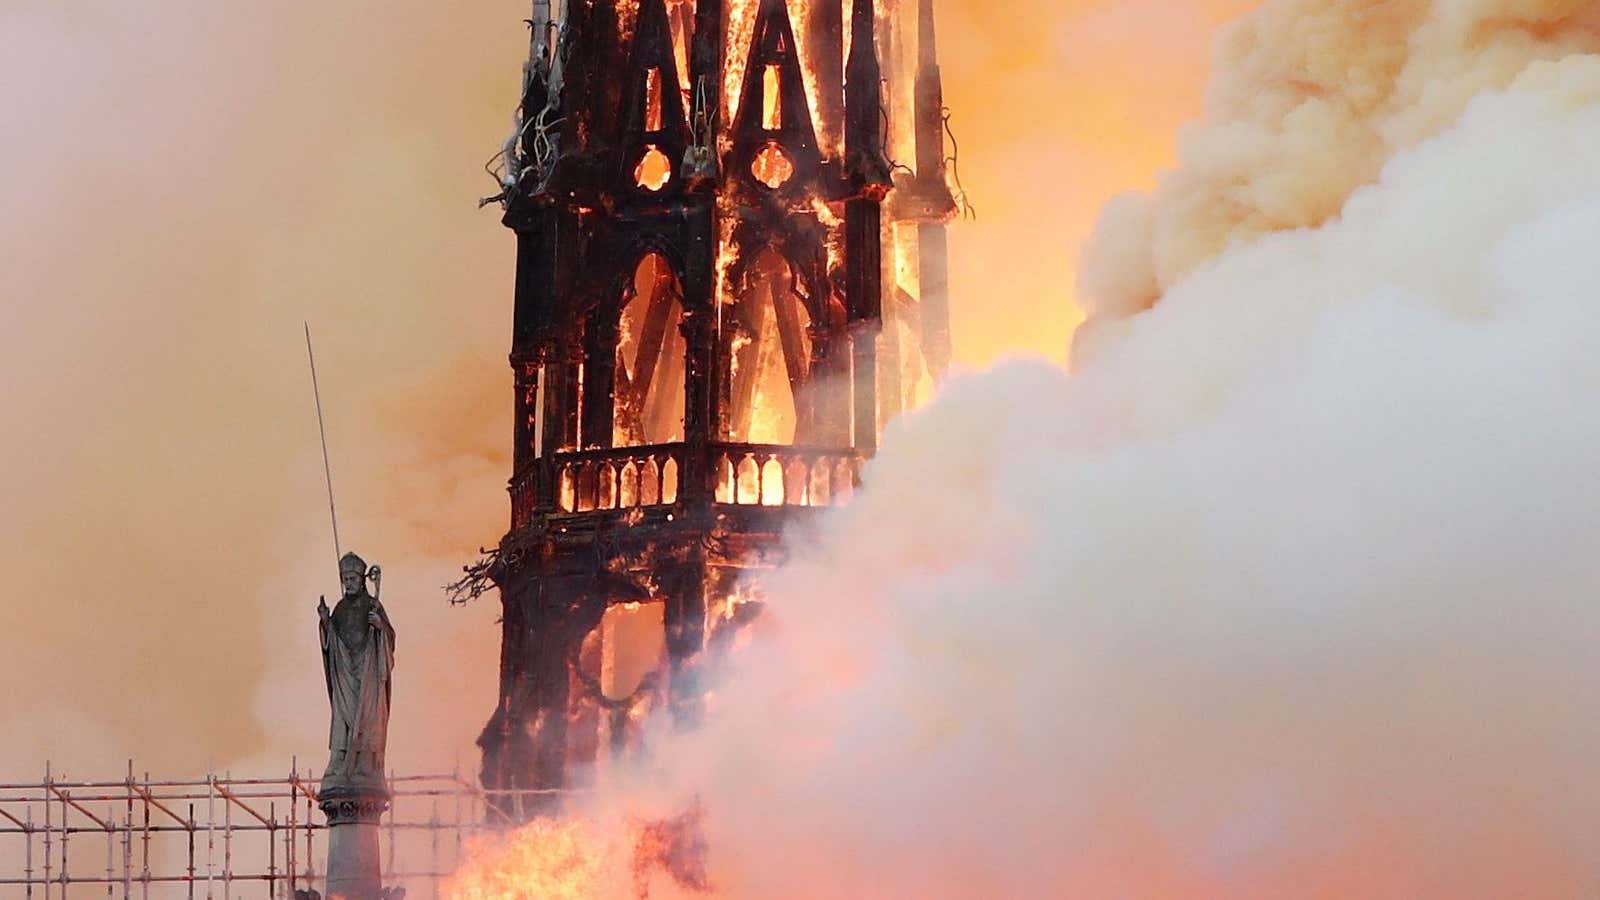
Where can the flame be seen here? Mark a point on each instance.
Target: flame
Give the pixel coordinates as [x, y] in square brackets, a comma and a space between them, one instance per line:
[829, 139]
[741, 20]
[576, 859]
[725, 608]
[627, 17]
[654, 169]
[769, 424]
[772, 166]
[544, 860]
[825, 214]
[727, 253]
[676, 846]
[681, 15]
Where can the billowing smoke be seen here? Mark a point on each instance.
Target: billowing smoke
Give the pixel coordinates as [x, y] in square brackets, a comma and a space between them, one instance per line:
[1309, 100]
[1290, 590]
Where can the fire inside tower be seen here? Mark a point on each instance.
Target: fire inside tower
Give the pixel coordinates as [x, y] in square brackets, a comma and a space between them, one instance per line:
[731, 272]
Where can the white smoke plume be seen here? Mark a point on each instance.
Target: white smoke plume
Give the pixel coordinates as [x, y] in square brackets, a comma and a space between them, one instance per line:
[1309, 100]
[1290, 590]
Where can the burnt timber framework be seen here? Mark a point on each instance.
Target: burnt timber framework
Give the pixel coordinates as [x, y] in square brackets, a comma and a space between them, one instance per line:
[725, 287]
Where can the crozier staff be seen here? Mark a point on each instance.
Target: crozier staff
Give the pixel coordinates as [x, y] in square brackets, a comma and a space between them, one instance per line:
[357, 658]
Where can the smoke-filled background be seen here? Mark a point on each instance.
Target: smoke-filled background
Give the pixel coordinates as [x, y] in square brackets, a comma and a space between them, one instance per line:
[1287, 591]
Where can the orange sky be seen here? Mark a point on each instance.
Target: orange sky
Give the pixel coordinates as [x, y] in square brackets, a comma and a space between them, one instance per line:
[186, 181]
[1058, 106]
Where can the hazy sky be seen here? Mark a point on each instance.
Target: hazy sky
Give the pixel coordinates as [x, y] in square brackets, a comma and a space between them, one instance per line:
[183, 183]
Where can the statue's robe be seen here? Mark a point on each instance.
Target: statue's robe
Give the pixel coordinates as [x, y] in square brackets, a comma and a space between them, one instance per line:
[357, 658]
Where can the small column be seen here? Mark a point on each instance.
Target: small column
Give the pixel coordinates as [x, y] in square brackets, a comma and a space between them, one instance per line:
[701, 421]
[355, 868]
[598, 400]
[703, 370]
[867, 179]
[527, 488]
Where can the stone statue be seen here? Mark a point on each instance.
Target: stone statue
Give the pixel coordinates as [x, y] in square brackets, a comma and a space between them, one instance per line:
[357, 658]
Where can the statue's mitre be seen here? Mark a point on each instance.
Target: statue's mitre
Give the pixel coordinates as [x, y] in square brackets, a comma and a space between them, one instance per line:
[351, 564]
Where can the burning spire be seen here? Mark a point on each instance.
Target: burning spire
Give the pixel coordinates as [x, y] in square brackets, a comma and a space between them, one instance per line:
[699, 302]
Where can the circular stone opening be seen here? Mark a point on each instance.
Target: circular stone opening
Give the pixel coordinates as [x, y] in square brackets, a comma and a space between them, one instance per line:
[772, 167]
[654, 169]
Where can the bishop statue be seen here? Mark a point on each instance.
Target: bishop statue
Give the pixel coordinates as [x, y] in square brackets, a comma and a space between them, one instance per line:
[357, 658]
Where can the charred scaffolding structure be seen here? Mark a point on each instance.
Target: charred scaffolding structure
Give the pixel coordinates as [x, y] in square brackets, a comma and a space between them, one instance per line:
[731, 272]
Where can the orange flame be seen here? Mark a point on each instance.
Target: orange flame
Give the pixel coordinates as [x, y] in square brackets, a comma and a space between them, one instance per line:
[573, 860]
[741, 21]
[800, 14]
[545, 860]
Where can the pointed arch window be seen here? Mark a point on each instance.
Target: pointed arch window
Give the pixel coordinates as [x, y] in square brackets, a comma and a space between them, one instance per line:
[771, 357]
[649, 394]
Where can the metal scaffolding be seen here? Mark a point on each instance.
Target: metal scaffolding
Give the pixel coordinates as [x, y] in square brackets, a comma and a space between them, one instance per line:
[222, 837]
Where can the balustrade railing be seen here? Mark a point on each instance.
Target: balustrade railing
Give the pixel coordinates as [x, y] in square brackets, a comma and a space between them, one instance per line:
[780, 475]
[618, 478]
[629, 478]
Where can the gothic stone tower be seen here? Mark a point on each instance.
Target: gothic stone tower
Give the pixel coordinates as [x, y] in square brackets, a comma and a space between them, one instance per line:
[724, 288]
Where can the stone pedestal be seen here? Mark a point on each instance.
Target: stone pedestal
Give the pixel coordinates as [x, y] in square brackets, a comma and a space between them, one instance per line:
[355, 870]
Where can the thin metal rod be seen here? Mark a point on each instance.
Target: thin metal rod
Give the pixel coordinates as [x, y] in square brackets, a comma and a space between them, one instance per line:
[227, 844]
[66, 835]
[211, 831]
[311, 850]
[191, 851]
[322, 430]
[28, 865]
[289, 836]
[272, 852]
[145, 874]
[47, 830]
